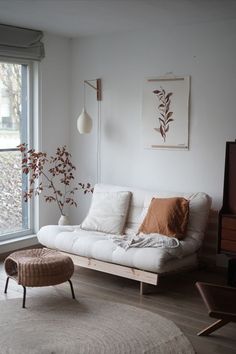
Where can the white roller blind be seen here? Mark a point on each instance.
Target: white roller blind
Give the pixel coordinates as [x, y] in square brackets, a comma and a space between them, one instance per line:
[18, 42]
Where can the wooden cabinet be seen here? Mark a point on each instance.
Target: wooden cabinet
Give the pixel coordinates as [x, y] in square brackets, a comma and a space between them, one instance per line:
[228, 234]
[227, 215]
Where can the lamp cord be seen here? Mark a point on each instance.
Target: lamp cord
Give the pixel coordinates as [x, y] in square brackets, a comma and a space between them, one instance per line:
[84, 96]
[99, 144]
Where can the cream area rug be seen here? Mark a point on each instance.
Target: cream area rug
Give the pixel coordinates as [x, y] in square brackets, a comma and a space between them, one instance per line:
[85, 326]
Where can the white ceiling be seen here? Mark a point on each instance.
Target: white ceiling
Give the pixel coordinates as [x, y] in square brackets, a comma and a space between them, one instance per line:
[74, 18]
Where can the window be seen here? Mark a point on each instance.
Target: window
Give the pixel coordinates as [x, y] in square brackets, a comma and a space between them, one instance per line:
[15, 128]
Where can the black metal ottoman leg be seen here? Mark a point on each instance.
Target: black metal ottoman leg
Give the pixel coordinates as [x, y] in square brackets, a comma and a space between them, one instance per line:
[24, 296]
[6, 286]
[72, 290]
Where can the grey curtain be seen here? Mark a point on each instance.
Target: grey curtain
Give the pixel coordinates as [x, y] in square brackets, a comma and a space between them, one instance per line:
[21, 43]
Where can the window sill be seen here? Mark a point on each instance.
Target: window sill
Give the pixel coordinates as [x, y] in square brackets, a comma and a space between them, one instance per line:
[17, 243]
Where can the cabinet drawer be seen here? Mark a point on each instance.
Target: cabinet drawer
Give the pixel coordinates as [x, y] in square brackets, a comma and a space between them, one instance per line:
[228, 234]
[228, 246]
[228, 222]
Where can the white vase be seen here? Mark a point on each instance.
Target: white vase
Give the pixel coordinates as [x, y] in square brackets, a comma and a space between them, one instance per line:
[64, 220]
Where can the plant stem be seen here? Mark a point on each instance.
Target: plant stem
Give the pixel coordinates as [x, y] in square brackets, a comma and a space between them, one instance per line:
[54, 189]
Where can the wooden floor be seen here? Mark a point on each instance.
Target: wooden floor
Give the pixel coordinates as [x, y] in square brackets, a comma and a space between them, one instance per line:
[177, 300]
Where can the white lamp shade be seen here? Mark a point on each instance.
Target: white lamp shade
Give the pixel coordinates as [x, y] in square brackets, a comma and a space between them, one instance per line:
[84, 122]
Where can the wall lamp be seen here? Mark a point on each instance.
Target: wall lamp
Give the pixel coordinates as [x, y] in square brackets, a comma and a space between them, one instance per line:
[84, 121]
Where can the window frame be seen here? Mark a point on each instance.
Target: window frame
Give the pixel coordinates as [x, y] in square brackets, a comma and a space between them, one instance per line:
[30, 134]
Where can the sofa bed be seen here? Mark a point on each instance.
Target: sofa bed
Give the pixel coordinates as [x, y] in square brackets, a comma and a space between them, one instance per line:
[119, 234]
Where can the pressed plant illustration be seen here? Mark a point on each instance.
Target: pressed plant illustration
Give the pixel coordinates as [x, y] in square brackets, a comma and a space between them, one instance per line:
[53, 174]
[165, 117]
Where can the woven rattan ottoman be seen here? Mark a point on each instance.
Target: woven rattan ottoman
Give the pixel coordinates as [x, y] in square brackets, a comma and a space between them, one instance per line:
[38, 267]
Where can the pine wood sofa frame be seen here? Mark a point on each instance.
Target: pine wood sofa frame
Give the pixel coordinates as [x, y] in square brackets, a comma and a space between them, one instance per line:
[145, 278]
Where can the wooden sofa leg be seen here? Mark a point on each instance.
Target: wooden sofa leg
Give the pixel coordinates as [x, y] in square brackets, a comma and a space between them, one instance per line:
[142, 288]
[213, 327]
[146, 288]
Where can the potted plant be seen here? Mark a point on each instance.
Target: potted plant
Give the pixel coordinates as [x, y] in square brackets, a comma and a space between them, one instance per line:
[52, 175]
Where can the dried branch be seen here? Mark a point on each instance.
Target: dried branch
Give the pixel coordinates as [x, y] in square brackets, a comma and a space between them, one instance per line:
[164, 111]
[53, 170]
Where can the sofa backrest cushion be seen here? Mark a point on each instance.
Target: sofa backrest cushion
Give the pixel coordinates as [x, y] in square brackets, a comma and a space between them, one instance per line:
[199, 206]
[166, 216]
[108, 211]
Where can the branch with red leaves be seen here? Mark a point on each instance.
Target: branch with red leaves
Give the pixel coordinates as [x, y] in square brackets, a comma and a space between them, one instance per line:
[46, 173]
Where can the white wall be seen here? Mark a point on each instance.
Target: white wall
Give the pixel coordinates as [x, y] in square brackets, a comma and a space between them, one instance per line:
[54, 107]
[204, 51]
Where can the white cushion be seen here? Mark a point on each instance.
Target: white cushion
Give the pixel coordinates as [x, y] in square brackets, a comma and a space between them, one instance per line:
[98, 245]
[108, 212]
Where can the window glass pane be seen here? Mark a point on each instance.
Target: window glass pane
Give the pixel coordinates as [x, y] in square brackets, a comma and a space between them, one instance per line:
[14, 129]
[13, 210]
[10, 104]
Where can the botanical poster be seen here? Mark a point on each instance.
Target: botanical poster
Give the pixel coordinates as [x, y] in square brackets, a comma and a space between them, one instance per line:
[166, 112]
